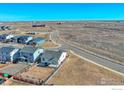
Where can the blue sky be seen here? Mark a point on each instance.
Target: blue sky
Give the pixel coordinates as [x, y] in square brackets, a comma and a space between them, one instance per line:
[61, 11]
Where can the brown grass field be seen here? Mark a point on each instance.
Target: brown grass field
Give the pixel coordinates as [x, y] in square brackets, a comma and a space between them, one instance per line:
[76, 71]
[49, 44]
[37, 73]
[3, 65]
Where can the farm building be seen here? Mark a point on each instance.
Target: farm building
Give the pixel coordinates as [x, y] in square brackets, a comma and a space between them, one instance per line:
[22, 39]
[5, 37]
[9, 53]
[52, 58]
[37, 41]
[30, 54]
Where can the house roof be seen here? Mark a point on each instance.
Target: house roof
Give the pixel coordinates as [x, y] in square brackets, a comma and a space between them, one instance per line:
[25, 37]
[37, 40]
[51, 56]
[29, 49]
[15, 37]
[6, 49]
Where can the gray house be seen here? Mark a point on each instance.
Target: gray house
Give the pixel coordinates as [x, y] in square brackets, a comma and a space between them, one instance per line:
[5, 37]
[22, 39]
[30, 54]
[52, 58]
[36, 41]
[9, 53]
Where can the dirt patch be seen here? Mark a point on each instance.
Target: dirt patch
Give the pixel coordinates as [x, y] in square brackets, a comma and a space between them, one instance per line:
[13, 68]
[15, 82]
[3, 65]
[48, 44]
[37, 73]
[76, 71]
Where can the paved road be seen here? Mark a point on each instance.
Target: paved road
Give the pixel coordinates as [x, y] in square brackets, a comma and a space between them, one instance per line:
[97, 59]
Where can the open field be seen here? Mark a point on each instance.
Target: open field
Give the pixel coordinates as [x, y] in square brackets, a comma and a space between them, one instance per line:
[105, 38]
[48, 44]
[80, 72]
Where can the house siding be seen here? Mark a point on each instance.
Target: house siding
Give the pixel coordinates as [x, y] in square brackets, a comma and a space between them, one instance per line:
[37, 41]
[37, 53]
[5, 37]
[22, 40]
[9, 36]
[31, 57]
[28, 57]
[8, 55]
[53, 59]
[14, 55]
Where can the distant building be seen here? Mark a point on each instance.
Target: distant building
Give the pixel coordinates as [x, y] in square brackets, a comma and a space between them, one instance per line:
[30, 54]
[22, 39]
[38, 24]
[37, 41]
[5, 37]
[9, 53]
[2, 27]
[52, 58]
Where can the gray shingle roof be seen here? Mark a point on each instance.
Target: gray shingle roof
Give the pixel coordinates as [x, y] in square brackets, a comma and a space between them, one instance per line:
[38, 39]
[25, 37]
[29, 49]
[6, 49]
[51, 56]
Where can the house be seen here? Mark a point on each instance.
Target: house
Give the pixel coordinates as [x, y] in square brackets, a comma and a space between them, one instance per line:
[5, 37]
[22, 39]
[15, 39]
[5, 27]
[30, 54]
[36, 41]
[9, 53]
[2, 27]
[52, 58]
